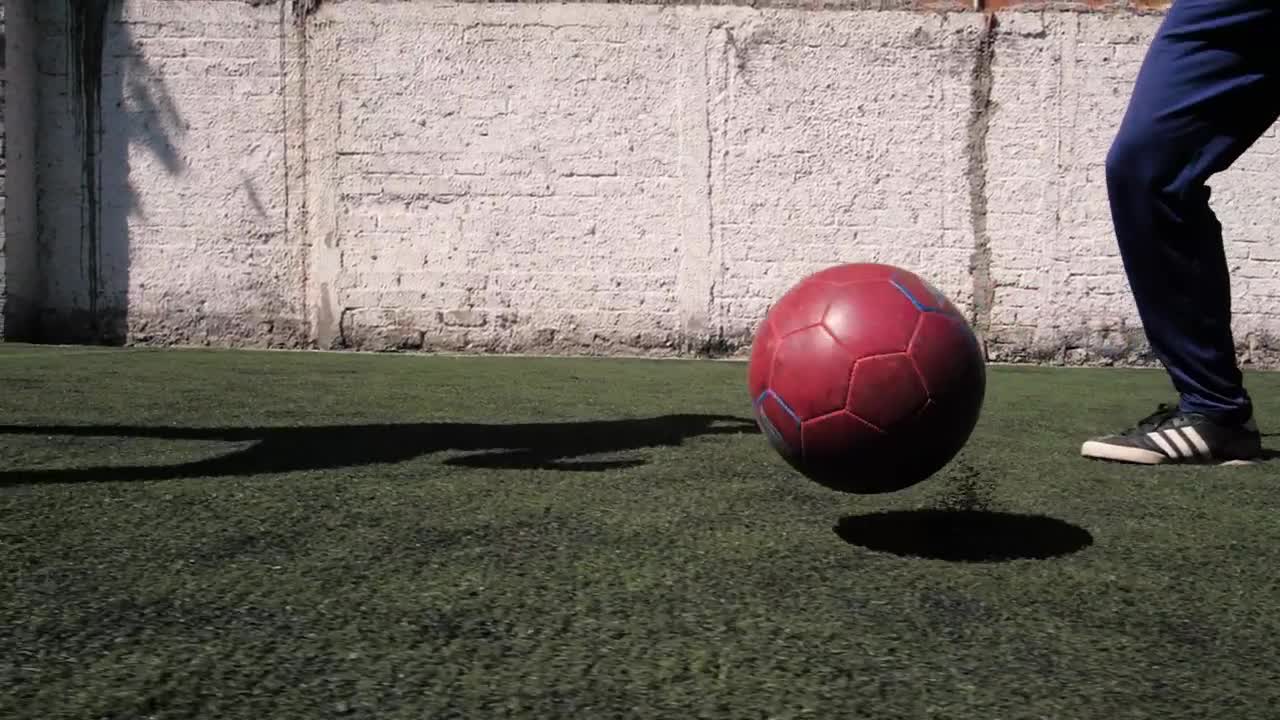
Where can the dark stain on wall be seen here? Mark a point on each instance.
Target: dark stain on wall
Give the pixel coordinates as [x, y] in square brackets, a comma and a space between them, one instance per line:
[86, 34]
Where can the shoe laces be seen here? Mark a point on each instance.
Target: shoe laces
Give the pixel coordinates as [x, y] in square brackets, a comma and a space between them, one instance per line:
[1163, 414]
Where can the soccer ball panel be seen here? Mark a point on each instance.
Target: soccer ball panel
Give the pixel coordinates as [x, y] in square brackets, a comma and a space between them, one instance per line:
[853, 273]
[803, 306]
[866, 379]
[871, 319]
[811, 372]
[826, 437]
[948, 357]
[886, 391]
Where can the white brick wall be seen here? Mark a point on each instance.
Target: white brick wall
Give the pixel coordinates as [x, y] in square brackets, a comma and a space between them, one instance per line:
[1062, 83]
[504, 180]
[191, 243]
[838, 137]
[608, 178]
[201, 190]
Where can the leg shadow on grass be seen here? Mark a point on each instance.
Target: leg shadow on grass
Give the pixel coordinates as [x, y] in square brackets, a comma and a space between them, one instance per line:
[564, 446]
[963, 535]
[1270, 454]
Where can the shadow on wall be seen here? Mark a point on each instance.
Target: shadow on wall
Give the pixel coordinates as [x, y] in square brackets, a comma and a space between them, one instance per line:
[4, 270]
[17, 129]
[118, 102]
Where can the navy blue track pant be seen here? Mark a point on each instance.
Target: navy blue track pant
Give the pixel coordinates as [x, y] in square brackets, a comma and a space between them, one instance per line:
[1208, 88]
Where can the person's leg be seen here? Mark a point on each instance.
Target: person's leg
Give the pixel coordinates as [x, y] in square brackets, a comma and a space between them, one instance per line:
[1208, 88]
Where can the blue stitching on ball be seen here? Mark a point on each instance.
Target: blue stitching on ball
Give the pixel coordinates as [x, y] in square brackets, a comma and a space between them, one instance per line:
[783, 403]
[919, 305]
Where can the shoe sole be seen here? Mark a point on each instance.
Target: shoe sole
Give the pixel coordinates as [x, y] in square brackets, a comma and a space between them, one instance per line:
[1137, 456]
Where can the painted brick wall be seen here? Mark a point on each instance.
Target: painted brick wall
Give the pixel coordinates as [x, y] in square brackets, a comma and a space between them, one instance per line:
[836, 138]
[605, 178]
[499, 179]
[1061, 86]
[185, 241]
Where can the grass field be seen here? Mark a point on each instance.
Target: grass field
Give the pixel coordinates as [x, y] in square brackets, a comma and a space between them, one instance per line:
[277, 535]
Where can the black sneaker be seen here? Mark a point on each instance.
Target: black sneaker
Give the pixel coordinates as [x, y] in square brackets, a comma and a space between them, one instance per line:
[1171, 436]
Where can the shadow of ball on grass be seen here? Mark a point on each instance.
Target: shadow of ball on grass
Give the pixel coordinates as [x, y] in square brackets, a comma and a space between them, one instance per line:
[963, 535]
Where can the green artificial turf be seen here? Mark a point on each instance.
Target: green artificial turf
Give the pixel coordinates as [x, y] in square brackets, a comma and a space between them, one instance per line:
[280, 535]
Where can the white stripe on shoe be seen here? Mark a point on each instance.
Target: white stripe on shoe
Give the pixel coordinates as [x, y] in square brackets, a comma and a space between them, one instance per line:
[1184, 448]
[1163, 444]
[1194, 436]
[1121, 453]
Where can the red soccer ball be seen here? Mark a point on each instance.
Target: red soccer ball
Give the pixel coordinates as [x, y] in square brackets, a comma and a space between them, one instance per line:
[866, 379]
